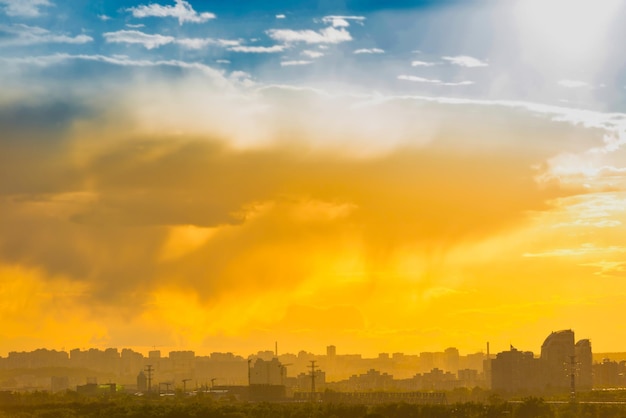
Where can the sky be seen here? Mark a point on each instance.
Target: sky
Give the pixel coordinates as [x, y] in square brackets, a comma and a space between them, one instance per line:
[397, 177]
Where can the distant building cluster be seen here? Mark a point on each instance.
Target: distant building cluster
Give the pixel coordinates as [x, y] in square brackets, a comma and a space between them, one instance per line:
[563, 366]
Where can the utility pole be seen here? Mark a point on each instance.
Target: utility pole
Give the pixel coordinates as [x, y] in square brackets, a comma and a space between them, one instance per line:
[312, 367]
[149, 370]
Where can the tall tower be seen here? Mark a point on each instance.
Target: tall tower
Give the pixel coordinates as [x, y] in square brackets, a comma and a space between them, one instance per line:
[556, 353]
[584, 361]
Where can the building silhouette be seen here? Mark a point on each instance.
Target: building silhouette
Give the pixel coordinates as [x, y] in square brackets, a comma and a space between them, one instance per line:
[584, 362]
[562, 367]
[556, 354]
[265, 372]
[514, 371]
[142, 382]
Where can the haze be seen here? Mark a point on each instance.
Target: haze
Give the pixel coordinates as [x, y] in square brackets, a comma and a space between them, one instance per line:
[194, 175]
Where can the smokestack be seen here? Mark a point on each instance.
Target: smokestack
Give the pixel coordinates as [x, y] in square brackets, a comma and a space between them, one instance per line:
[488, 349]
[276, 348]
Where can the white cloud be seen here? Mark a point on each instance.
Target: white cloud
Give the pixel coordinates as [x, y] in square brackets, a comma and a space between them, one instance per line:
[342, 21]
[422, 64]
[194, 43]
[418, 79]
[154, 41]
[121, 60]
[613, 123]
[104, 18]
[280, 16]
[291, 63]
[198, 43]
[433, 81]
[24, 8]
[242, 78]
[312, 54]
[135, 26]
[222, 61]
[465, 61]
[136, 37]
[258, 49]
[328, 35]
[182, 10]
[339, 22]
[240, 74]
[369, 51]
[572, 84]
[29, 35]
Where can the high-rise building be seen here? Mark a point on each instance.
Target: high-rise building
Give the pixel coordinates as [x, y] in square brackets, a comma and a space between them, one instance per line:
[556, 357]
[584, 363]
[451, 360]
[331, 351]
[268, 372]
[515, 370]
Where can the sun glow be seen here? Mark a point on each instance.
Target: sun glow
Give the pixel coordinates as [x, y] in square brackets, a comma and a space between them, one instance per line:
[574, 30]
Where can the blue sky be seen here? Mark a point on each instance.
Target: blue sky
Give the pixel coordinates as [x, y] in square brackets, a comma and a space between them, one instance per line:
[480, 49]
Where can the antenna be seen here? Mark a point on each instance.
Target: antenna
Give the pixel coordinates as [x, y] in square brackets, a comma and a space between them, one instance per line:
[312, 366]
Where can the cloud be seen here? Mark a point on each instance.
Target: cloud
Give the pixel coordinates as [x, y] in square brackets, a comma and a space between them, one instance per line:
[196, 190]
[21, 34]
[312, 54]
[104, 18]
[422, 64]
[572, 84]
[135, 26]
[342, 21]
[193, 210]
[182, 10]
[465, 61]
[154, 41]
[198, 43]
[136, 37]
[325, 36]
[608, 268]
[613, 123]
[118, 60]
[584, 250]
[258, 49]
[25, 8]
[369, 51]
[280, 16]
[295, 62]
[416, 79]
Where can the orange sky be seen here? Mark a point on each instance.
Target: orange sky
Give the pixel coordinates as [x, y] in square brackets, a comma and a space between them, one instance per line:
[190, 216]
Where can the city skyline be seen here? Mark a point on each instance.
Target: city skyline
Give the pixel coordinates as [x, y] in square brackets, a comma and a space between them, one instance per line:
[487, 351]
[218, 176]
[565, 365]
